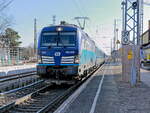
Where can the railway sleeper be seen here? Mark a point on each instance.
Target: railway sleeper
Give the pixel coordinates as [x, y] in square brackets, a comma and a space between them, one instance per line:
[41, 101]
[24, 110]
[35, 102]
[29, 106]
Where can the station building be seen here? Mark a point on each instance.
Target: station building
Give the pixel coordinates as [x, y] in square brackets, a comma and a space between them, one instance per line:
[9, 56]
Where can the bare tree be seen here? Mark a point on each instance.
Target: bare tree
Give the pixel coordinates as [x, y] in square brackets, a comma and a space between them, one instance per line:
[4, 4]
[5, 21]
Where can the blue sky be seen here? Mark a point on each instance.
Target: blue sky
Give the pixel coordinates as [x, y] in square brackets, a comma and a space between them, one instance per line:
[101, 13]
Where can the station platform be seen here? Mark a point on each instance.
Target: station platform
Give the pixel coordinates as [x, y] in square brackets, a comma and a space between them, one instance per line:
[8, 70]
[104, 92]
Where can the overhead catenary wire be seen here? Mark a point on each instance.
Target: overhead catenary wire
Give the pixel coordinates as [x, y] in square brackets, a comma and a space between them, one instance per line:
[82, 11]
[78, 8]
[90, 22]
[82, 5]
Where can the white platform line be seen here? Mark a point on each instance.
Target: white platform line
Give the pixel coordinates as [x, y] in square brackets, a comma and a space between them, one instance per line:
[97, 93]
[68, 102]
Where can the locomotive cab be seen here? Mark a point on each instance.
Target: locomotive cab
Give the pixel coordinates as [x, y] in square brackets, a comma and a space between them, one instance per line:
[58, 52]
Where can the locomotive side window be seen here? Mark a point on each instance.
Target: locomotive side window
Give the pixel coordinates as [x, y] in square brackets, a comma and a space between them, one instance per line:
[49, 39]
[67, 39]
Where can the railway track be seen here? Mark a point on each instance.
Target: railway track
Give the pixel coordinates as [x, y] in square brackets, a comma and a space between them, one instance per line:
[12, 95]
[16, 76]
[46, 99]
[15, 86]
[12, 82]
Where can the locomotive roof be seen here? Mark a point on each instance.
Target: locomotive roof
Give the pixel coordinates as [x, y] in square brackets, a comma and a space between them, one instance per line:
[68, 27]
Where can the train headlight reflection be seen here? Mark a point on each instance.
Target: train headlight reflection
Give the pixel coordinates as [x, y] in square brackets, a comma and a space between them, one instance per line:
[59, 29]
[39, 59]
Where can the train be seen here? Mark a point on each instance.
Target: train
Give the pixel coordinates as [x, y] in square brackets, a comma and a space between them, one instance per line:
[66, 52]
[145, 56]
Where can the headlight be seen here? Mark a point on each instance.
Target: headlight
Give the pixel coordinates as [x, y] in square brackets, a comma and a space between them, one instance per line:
[39, 59]
[59, 29]
[76, 60]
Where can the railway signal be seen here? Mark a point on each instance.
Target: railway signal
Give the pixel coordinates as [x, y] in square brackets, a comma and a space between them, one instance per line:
[125, 38]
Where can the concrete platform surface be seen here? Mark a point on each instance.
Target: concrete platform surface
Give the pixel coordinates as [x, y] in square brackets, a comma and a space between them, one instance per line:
[10, 70]
[106, 93]
[145, 76]
[16, 67]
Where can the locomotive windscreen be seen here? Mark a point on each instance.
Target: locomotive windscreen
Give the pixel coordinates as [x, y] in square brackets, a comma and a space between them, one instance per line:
[49, 39]
[58, 39]
[67, 39]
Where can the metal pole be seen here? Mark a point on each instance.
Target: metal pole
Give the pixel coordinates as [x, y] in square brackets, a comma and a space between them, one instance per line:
[35, 37]
[117, 37]
[114, 47]
[123, 17]
[111, 47]
[115, 34]
[117, 45]
[54, 19]
[132, 23]
[142, 14]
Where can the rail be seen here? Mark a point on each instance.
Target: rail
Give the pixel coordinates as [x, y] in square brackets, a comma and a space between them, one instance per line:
[16, 76]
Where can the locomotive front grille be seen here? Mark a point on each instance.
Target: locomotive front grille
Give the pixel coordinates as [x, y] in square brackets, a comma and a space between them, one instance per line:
[64, 60]
[67, 59]
[47, 59]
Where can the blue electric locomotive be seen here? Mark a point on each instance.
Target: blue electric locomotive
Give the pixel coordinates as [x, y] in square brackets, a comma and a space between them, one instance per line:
[66, 52]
